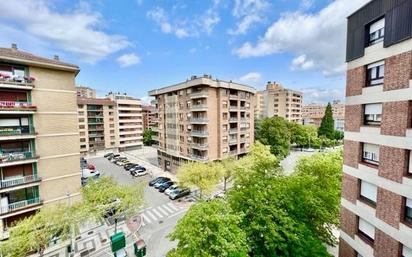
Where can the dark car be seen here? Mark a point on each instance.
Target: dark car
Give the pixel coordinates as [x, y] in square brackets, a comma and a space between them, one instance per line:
[130, 166]
[165, 186]
[158, 179]
[179, 193]
[111, 157]
[136, 169]
[159, 183]
[108, 155]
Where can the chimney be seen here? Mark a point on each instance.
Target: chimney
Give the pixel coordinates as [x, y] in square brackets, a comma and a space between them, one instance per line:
[14, 46]
[56, 57]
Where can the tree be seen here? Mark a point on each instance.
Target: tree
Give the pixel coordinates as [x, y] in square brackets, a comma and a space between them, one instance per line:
[275, 133]
[147, 137]
[229, 168]
[209, 229]
[204, 176]
[326, 127]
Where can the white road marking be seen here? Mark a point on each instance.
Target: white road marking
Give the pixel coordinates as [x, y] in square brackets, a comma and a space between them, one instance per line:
[171, 205]
[177, 213]
[160, 208]
[145, 218]
[168, 209]
[157, 213]
[151, 215]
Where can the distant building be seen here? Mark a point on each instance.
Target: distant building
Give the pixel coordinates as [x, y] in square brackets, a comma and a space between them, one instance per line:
[203, 119]
[148, 116]
[85, 92]
[279, 101]
[313, 114]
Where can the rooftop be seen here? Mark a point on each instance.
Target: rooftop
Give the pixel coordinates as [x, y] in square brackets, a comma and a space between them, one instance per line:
[95, 101]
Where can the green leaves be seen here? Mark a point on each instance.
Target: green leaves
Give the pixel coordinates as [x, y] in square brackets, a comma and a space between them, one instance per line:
[326, 127]
[275, 133]
[147, 137]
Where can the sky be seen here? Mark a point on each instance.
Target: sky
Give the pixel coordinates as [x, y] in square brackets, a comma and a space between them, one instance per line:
[133, 46]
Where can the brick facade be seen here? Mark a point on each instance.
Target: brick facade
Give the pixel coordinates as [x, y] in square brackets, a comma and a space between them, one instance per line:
[395, 118]
[353, 118]
[389, 207]
[356, 79]
[348, 222]
[385, 246]
[345, 250]
[398, 71]
[393, 163]
[352, 153]
[351, 186]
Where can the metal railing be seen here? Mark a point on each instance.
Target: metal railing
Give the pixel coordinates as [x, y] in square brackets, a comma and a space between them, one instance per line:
[233, 141]
[233, 107]
[198, 107]
[200, 120]
[199, 94]
[233, 152]
[14, 105]
[15, 156]
[19, 205]
[233, 96]
[25, 81]
[200, 145]
[200, 158]
[233, 119]
[19, 181]
[199, 133]
[233, 130]
[16, 130]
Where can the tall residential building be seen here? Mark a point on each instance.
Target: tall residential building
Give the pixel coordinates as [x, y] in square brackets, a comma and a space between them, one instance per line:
[148, 116]
[39, 136]
[98, 124]
[85, 92]
[129, 117]
[313, 114]
[376, 204]
[203, 119]
[279, 101]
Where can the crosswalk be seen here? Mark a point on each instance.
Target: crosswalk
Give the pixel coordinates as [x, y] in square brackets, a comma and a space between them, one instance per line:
[161, 212]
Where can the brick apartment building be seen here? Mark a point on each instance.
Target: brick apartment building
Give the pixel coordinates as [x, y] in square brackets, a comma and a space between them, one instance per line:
[279, 101]
[148, 116]
[39, 137]
[313, 114]
[376, 204]
[203, 119]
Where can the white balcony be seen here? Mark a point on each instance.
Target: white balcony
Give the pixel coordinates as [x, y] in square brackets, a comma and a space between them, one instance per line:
[17, 158]
[22, 84]
[13, 107]
[19, 205]
[7, 183]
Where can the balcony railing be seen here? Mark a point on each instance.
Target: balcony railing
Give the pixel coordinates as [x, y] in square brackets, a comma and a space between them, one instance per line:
[19, 205]
[199, 120]
[16, 106]
[233, 141]
[233, 107]
[17, 81]
[233, 119]
[19, 181]
[233, 130]
[200, 157]
[231, 96]
[200, 145]
[15, 156]
[199, 133]
[16, 130]
[199, 94]
[242, 150]
[233, 152]
[198, 107]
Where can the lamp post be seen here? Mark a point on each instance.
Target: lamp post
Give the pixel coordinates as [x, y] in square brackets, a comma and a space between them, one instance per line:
[71, 253]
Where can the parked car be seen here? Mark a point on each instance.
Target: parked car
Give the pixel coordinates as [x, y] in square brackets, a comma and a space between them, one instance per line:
[116, 159]
[130, 165]
[154, 181]
[111, 157]
[159, 183]
[171, 189]
[122, 162]
[108, 155]
[90, 166]
[137, 167]
[165, 186]
[138, 173]
[89, 174]
[179, 193]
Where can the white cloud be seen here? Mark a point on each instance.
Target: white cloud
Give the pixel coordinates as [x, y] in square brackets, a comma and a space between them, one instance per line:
[322, 95]
[78, 31]
[251, 77]
[127, 60]
[248, 12]
[209, 20]
[146, 100]
[317, 40]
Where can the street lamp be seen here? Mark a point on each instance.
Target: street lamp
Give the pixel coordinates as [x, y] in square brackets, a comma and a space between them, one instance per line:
[71, 252]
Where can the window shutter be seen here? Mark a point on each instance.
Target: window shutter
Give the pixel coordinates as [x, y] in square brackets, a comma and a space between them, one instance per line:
[369, 190]
[373, 109]
[409, 202]
[377, 25]
[367, 228]
[376, 64]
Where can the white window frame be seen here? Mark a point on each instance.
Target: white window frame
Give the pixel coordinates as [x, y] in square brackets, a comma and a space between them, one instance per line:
[375, 74]
[408, 205]
[377, 32]
[366, 228]
[370, 155]
[373, 114]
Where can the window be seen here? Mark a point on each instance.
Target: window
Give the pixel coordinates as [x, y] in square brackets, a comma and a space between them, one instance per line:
[406, 252]
[371, 154]
[373, 114]
[368, 192]
[377, 31]
[408, 210]
[410, 164]
[366, 231]
[375, 73]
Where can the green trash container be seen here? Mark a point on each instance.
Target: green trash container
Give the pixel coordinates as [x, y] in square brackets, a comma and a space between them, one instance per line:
[140, 248]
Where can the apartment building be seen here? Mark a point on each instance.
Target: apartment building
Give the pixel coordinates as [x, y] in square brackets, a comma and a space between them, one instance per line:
[279, 101]
[129, 118]
[376, 203]
[148, 116]
[85, 92]
[312, 114]
[98, 124]
[203, 119]
[39, 138]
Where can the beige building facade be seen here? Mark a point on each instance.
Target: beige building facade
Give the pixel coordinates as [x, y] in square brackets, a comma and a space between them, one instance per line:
[148, 116]
[279, 101]
[203, 119]
[85, 92]
[39, 138]
[312, 114]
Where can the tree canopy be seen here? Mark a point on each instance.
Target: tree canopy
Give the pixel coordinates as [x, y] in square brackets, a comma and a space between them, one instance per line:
[147, 137]
[326, 127]
[274, 132]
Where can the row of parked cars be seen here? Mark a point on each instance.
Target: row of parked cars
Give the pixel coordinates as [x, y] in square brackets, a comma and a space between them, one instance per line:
[169, 187]
[135, 169]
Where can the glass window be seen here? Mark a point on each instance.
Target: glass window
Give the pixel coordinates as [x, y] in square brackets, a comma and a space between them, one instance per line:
[373, 114]
[375, 73]
[371, 153]
[408, 210]
[368, 192]
[366, 230]
[377, 31]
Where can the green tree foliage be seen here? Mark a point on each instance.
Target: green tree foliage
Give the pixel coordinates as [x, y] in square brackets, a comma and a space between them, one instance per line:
[204, 176]
[147, 137]
[275, 133]
[209, 229]
[326, 127]
[228, 171]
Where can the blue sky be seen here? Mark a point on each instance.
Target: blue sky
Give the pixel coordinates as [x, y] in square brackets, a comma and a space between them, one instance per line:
[134, 46]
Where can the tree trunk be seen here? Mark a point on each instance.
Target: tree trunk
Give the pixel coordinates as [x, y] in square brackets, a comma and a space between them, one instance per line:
[224, 184]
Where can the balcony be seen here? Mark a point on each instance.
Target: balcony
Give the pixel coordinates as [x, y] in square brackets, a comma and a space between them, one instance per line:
[200, 146]
[93, 135]
[199, 94]
[233, 107]
[7, 107]
[233, 119]
[199, 120]
[16, 158]
[233, 131]
[155, 138]
[26, 83]
[95, 121]
[242, 150]
[233, 141]
[199, 133]
[19, 205]
[7, 183]
[233, 152]
[16, 132]
[201, 158]
[233, 96]
[198, 107]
